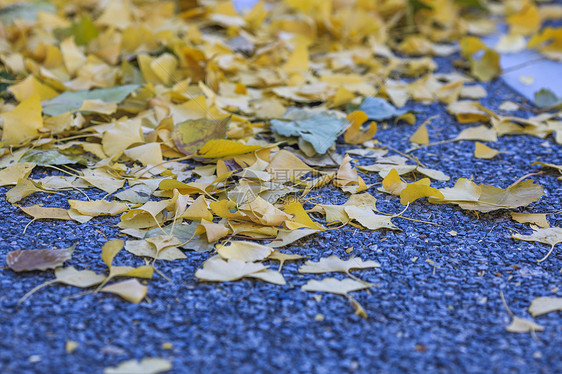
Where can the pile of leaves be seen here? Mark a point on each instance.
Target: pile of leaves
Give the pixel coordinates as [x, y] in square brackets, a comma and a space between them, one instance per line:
[208, 127]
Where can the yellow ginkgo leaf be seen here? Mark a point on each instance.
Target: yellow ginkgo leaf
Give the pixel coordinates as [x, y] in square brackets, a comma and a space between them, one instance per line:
[481, 150]
[23, 122]
[417, 190]
[420, 136]
[300, 218]
[15, 172]
[353, 134]
[299, 59]
[533, 218]
[243, 251]
[214, 231]
[367, 218]
[131, 290]
[392, 183]
[335, 264]
[225, 148]
[335, 286]
[96, 208]
[31, 86]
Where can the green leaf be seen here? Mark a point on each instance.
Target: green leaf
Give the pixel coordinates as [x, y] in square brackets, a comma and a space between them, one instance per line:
[379, 109]
[72, 101]
[27, 11]
[191, 135]
[83, 31]
[319, 129]
[545, 98]
[52, 157]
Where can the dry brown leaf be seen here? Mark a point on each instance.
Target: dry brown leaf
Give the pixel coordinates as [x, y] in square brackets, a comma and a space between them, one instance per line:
[38, 259]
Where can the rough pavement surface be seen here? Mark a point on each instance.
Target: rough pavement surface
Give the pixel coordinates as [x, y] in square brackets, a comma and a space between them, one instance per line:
[435, 306]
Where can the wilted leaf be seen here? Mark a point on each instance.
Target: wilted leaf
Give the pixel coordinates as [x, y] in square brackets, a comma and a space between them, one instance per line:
[520, 325]
[486, 198]
[282, 257]
[379, 109]
[545, 98]
[191, 135]
[39, 212]
[78, 278]
[333, 285]
[72, 101]
[534, 218]
[71, 277]
[52, 156]
[543, 305]
[144, 248]
[144, 366]
[334, 264]
[225, 148]
[286, 237]
[83, 31]
[27, 11]
[417, 190]
[354, 135]
[38, 259]
[23, 122]
[483, 133]
[420, 136]
[215, 269]
[550, 236]
[481, 150]
[367, 218]
[13, 173]
[243, 251]
[319, 130]
[109, 250]
[131, 290]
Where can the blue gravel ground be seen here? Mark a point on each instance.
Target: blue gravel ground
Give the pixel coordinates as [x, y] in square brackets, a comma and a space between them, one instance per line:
[435, 306]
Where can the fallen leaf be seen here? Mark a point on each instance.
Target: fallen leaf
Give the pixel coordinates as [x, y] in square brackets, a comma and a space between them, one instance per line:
[520, 325]
[353, 134]
[143, 248]
[550, 236]
[379, 109]
[534, 218]
[144, 366]
[283, 257]
[335, 286]
[334, 264]
[367, 218]
[13, 173]
[543, 305]
[225, 148]
[191, 135]
[70, 346]
[72, 101]
[23, 122]
[243, 251]
[39, 212]
[319, 130]
[215, 269]
[38, 259]
[420, 136]
[481, 150]
[131, 290]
